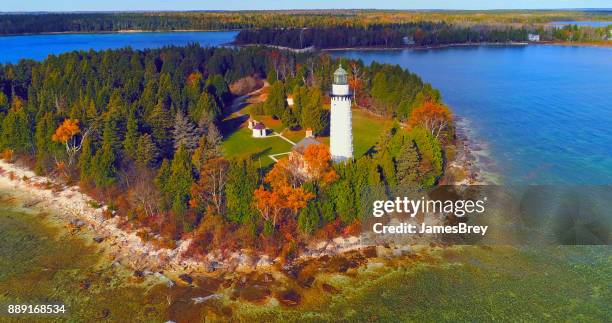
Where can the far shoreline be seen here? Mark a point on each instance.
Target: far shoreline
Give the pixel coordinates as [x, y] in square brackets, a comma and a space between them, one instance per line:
[607, 43]
[122, 31]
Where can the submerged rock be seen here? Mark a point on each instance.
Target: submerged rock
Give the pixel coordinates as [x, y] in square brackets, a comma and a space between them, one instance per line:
[198, 300]
[186, 278]
[212, 266]
[77, 223]
[98, 239]
[290, 298]
[85, 284]
[330, 289]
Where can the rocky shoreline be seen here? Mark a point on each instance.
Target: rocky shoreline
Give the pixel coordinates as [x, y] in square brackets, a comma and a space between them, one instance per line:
[472, 164]
[79, 212]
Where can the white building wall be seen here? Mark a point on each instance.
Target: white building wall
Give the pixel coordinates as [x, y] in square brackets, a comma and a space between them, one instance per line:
[340, 89]
[341, 132]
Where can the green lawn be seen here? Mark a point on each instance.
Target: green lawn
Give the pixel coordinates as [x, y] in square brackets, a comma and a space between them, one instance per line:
[242, 144]
[366, 131]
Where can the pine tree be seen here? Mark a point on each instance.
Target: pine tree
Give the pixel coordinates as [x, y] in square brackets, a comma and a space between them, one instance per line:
[206, 105]
[209, 146]
[160, 122]
[85, 160]
[44, 146]
[309, 218]
[16, 133]
[146, 152]
[103, 166]
[276, 103]
[130, 143]
[407, 165]
[162, 181]
[4, 102]
[388, 169]
[243, 179]
[313, 114]
[185, 133]
[181, 180]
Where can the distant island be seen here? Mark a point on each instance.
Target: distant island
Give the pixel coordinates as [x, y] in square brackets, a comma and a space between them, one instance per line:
[323, 29]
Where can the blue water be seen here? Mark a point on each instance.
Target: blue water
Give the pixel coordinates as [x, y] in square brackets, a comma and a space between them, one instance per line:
[14, 48]
[582, 23]
[546, 111]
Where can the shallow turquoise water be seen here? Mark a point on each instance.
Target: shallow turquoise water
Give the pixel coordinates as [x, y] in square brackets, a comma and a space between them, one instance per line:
[544, 110]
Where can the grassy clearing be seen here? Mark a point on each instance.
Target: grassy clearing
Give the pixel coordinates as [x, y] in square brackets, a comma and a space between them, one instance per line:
[366, 131]
[242, 144]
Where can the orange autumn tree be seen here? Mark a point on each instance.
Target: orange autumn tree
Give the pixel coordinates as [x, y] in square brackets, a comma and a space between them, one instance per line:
[66, 134]
[284, 198]
[435, 117]
[318, 164]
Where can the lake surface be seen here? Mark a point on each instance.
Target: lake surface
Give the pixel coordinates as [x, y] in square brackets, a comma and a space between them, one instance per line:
[545, 111]
[14, 48]
[581, 23]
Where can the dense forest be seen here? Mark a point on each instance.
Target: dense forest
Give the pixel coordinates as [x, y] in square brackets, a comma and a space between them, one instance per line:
[101, 22]
[420, 34]
[141, 131]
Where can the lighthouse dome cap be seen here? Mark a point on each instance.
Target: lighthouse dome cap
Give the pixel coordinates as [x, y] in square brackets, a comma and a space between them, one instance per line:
[340, 71]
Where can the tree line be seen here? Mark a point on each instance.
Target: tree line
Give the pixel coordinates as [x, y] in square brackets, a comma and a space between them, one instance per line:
[413, 34]
[21, 23]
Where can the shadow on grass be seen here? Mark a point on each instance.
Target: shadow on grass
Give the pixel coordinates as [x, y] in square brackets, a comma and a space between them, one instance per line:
[229, 126]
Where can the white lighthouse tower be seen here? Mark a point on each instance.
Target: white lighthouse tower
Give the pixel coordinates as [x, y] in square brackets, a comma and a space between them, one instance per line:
[341, 129]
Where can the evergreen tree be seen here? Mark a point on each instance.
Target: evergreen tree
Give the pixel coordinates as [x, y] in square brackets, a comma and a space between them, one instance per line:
[243, 179]
[85, 160]
[146, 151]
[309, 218]
[209, 145]
[388, 169]
[163, 183]
[276, 102]
[16, 133]
[185, 133]
[430, 151]
[103, 166]
[130, 143]
[44, 146]
[160, 122]
[4, 102]
[206, 104]
[216, 85]
[181, 180]
[313, 114]
[407, 165]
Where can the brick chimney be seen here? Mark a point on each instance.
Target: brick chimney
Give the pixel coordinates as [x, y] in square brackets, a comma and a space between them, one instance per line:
[309, 133]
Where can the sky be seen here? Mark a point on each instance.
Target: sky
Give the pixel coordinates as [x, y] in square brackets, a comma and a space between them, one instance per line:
[127, 5]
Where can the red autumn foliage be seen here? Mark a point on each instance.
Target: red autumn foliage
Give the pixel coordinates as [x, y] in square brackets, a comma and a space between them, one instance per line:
[433, 116]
